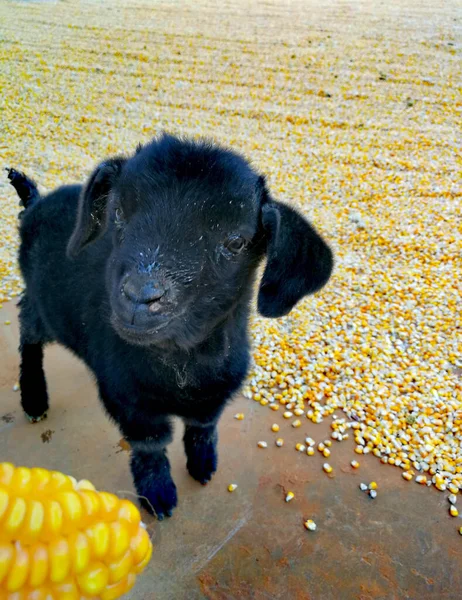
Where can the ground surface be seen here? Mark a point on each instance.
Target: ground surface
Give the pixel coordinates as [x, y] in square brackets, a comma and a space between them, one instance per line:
[352, 109]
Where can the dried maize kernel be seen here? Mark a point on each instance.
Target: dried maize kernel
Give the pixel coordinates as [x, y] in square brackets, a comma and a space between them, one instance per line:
[327, 468]
[290, 496]
[300, 447]
[326, 452]
[373, 494]
[453, 511]
[296, 423]
[232, 487]
[279, 442]
[310, 451]
[59, 536]
[372, 485]
[310, 525]
[452, 498]
[262, 444]
[354, 464]
[239, 416]
[407, 475]
[287, 414]
[363, 487]
[275, 427]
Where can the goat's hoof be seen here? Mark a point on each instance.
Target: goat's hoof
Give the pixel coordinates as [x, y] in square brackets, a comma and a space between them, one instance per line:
[34, 419]
[160, 499]
[201, 468]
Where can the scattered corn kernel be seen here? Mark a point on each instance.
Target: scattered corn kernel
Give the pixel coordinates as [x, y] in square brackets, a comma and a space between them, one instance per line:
[326, 452]
[300, 447]
[7, 322]
[298, 412]
[407, 475]
[372, 485]
[296, 423]
[422, 479]
[279, 442]
[373, 494]
[309, 441]
[354, 464]
[363, 487]
[453, 511]
[327, 468]
[310, 451]
[287, 414]
[239, 416]
[452, 498]
[311, 525]
[232, 487]
[262, 444]
[274, 427]
[290, 496]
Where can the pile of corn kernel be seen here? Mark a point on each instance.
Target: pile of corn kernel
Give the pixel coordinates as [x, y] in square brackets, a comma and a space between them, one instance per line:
[353, 116]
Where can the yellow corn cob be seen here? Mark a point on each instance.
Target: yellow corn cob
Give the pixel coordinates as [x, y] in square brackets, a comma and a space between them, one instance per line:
[62, 540]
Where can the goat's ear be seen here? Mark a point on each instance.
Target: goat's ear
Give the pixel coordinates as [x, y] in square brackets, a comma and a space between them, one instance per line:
[299, 262]
[92, 210]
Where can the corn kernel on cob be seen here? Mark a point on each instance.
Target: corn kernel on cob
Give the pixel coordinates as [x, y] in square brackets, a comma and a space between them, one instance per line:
[62, 539]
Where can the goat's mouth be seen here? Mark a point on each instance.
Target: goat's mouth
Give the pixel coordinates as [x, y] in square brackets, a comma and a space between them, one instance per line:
[138, 334]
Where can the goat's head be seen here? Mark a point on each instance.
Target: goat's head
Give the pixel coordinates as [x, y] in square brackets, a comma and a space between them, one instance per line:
[190, 222]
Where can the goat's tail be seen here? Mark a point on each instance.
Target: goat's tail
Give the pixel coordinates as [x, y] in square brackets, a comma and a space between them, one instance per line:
[26, 189]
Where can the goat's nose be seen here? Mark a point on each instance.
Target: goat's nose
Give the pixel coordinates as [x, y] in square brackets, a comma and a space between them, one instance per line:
[149, 292]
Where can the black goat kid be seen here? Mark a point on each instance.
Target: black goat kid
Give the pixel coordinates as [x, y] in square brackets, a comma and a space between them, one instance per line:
[146, 273]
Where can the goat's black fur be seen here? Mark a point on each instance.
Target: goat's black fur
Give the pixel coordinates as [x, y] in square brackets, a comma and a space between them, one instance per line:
[146, 273]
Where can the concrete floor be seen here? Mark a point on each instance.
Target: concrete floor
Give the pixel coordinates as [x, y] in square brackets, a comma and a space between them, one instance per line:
[249, 544]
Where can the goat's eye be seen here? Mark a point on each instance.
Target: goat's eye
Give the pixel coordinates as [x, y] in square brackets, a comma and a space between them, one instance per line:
[235, 244]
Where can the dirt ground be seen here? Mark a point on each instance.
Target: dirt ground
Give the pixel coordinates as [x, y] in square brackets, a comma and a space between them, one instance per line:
[344, 105]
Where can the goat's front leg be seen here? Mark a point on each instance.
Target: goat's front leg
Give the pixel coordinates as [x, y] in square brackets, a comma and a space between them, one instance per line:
[200, 444]
[148, 436]
[151, 471]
